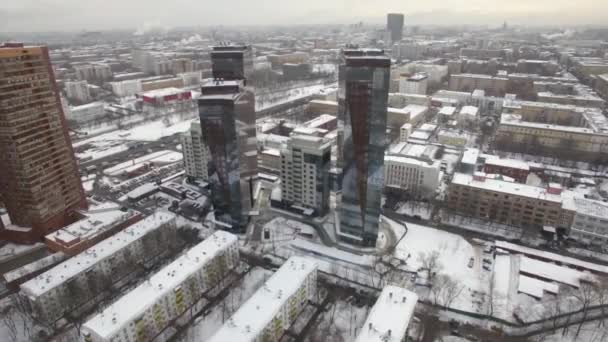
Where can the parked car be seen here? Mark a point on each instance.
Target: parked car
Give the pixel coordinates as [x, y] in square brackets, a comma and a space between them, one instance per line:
[471, 262]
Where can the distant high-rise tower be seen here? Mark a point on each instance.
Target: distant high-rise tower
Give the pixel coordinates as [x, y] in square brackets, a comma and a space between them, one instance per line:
[394, 24]
[364, 82]
[232, 62]
[39, 179]
[227, 113]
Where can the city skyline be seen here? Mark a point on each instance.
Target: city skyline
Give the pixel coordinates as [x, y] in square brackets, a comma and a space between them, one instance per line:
[31, 16]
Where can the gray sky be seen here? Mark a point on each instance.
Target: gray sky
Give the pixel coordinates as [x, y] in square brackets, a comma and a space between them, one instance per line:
[35, 15]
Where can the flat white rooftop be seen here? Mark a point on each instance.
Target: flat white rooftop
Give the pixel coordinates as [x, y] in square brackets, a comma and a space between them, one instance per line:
[505, 162]
[88, 258]
[163, 92]
[591, 208]
[253, 316]
[516, 189]
[98, 219]
[390, 317]
[138, 300]
[447, 110]
[564, 260]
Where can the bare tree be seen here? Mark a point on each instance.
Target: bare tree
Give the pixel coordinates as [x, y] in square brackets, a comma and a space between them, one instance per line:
[602, 294]
[430, 262]
[445, 290]
[586, 295]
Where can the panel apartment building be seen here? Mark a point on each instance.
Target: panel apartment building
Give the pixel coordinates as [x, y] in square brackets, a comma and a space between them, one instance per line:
[275, 306]
[390, 317]
[195, 152]
[305, 164]
[82, 278]
[144, 312]
[509, 203]
[555, 130]
[39, 178]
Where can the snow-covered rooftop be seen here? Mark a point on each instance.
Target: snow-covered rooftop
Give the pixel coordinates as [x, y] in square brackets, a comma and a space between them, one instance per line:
[98, 219]
[134, 303]
[510, 163]
[87, 259]
[516, 189]
[163, 92]
[564, 260]
[536, 287]
[447, 110]
[253, 316]
[319, 120]
[516, 120]
[551, 272]
[469, 110]
[591, 208]
[390, 317]
[470, 156]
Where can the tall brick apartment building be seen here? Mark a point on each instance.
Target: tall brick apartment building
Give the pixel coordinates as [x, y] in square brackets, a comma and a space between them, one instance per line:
[39, 179]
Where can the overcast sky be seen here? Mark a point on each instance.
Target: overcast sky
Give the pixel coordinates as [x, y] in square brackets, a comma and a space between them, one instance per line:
[46, 15]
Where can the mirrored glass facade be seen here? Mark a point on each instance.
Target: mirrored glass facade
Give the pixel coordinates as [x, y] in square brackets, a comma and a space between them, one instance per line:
[365, 83]
[227, 113]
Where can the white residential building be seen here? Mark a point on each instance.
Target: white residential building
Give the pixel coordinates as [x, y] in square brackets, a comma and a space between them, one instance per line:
[413, 84]
[88, 274]
[404, 132]
[195, 152]
[192, 78]
[97, 72]
[305, 164]
[78, 91]
[144, 312]
[87, 112]
[390, 317]
[416, 177]
[126, 88]
[590, 222]
[275, 306]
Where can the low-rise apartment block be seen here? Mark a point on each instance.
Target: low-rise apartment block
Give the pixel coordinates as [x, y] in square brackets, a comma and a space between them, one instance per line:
[83, 278]
[390, 317]
[514, 168]
[549, 129]
[275, 306]
[590, 223]
[144, 312]
[99, 222]
[509, 203]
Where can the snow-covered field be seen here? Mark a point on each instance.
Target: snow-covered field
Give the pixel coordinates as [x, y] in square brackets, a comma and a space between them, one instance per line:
[149, 131]
[455, 254]
[160, 157]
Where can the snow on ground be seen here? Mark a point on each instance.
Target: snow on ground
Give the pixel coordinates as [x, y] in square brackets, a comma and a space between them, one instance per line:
[204, 327]
[454, 255]
[342, 319]
[88, 185]
[332, 253]
[161, 157]
[590, 332]
[264, 101]
[102, 149]
[149, 131]
[504, 284]
[412, 208]
[11, 249]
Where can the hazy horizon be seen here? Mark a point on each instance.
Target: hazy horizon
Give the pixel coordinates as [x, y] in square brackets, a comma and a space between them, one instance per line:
[72, 15]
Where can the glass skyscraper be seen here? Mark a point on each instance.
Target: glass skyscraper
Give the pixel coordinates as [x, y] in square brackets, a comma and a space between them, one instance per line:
[364, 84]
[227, 113]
